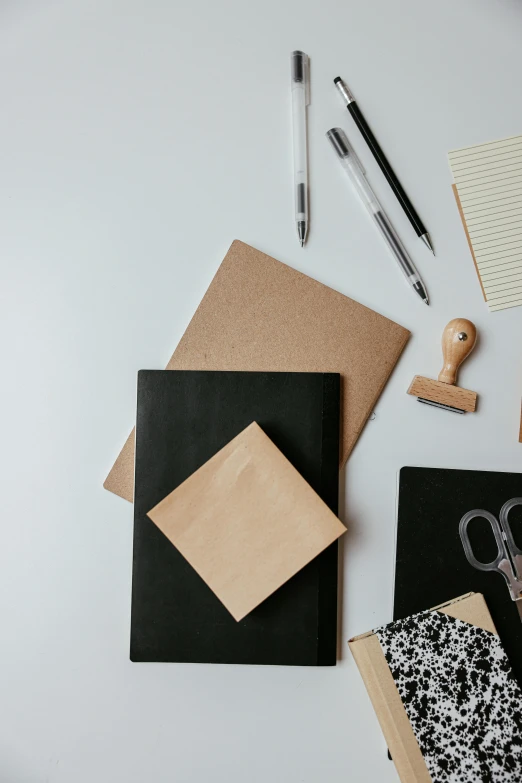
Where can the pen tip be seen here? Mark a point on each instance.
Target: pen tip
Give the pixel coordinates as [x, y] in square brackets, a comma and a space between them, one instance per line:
[427, 241]
[302, 242]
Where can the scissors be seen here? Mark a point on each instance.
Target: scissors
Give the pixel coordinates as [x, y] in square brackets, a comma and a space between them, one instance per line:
[508, 561]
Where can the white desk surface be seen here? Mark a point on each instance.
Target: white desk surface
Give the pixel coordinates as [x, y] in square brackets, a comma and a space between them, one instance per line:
[138, 139]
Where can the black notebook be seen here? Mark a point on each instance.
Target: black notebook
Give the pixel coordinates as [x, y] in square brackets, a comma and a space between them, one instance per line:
[183, 419]
[431, 566]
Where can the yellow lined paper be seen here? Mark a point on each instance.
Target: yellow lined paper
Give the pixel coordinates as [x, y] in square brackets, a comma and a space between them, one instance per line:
[488, 178]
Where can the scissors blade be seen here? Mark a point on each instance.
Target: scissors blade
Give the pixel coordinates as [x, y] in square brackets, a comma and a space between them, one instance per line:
[519, 607]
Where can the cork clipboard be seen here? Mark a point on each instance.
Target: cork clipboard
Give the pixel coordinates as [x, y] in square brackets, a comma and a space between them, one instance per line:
[261, 315]
[398, 733]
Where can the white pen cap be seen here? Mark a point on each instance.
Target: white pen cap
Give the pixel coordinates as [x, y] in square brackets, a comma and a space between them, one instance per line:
[342, 146]
[300, 70]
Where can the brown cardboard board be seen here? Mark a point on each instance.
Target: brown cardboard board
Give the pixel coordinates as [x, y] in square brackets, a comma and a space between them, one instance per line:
[368, 654]
[259, 314]
[465, 227]
[246, 521]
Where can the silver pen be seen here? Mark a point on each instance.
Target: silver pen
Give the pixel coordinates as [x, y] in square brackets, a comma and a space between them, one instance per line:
[300, 100]
[355, 171]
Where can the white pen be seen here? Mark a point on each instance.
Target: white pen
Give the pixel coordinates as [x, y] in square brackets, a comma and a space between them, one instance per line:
[300, 100]
[355, 171]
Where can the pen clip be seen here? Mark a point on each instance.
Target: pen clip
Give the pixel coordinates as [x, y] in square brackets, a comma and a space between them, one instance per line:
[357, 161]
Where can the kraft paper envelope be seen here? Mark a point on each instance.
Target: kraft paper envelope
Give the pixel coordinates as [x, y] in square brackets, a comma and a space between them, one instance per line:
[259, 314]
[246, 521]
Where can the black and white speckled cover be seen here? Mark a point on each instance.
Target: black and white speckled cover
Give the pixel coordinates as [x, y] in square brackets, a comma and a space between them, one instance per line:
[460, 695]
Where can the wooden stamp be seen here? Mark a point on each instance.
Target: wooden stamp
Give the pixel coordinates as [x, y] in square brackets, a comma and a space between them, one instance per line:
[458, 340]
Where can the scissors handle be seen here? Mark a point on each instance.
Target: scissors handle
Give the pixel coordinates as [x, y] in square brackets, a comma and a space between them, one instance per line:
[502, 553]
[506, 527]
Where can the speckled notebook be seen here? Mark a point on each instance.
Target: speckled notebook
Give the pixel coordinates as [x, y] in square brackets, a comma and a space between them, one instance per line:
[445, 695]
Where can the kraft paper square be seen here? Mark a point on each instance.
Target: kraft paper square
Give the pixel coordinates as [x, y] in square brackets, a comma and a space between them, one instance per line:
[261, 315]
[246, 521]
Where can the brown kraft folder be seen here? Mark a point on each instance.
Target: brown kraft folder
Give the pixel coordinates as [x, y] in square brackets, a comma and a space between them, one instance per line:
[465, 227]
[261, 315]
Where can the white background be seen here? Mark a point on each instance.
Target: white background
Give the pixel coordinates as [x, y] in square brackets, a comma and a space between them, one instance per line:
[138, 139]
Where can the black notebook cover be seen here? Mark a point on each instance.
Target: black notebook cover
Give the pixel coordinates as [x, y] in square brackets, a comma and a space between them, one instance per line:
[183, 419]
[431, 566]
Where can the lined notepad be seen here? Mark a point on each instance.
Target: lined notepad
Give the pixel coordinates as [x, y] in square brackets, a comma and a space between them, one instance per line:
[488, 185]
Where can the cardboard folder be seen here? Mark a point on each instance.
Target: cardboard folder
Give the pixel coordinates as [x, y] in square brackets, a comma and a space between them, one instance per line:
[259, 314]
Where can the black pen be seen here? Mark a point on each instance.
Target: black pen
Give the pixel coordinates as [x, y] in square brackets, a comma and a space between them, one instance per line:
[382, 160]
